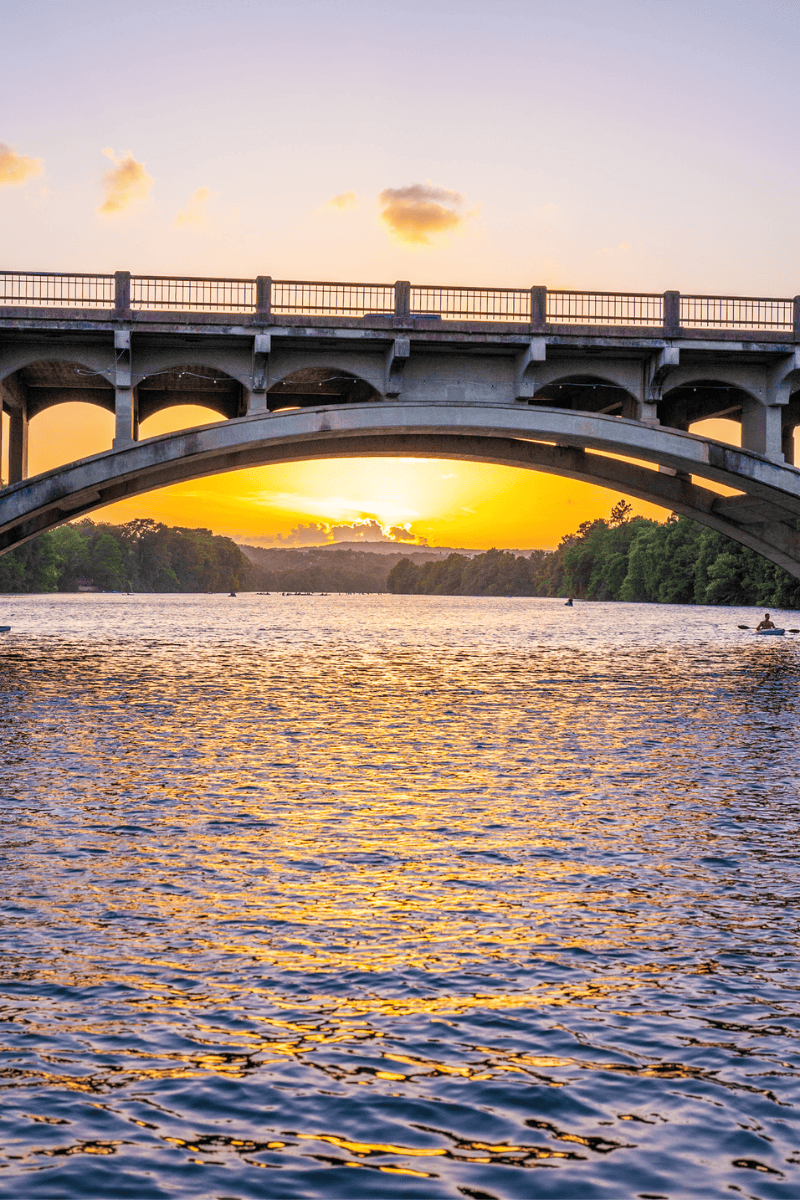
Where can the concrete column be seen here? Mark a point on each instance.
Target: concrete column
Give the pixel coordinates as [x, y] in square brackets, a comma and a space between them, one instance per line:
[18, 445]
[256, 402]
[126, 430]
[647, 411]
[126, 406]
[787, 444]
[256, 396]
[761, 429]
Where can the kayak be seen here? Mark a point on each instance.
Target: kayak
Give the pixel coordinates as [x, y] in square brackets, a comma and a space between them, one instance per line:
[5, 629]
[771, 632]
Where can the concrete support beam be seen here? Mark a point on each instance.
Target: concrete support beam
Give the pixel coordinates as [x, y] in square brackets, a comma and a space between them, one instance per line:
[14, 398]
[525, 368]
[761, 429]
[18, 445]
[126, 408]
[787, 444]
[397, 356]
[256, 394]
[656, 371]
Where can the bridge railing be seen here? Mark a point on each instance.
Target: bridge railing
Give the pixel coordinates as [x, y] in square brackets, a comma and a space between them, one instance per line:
[40, 289]
[471, 304]
[736, 312]
[265, 298]
[165, 292]
[290, 296]
[605, 308]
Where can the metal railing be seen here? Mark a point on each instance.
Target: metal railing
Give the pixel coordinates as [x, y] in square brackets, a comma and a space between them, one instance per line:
[332, 299]
[36, 289]
[162, 292]
[471, 304]
[736, 312]
[605, 308]
[265, 299]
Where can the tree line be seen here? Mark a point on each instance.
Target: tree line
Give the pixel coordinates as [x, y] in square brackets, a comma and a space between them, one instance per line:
[141, 556]
[622, 558]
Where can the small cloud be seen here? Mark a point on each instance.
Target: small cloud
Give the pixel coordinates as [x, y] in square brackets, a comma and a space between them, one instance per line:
[126, 183]
[16, 168]
[620, 247]
[415, 213]
[343, 201]
[194, 213]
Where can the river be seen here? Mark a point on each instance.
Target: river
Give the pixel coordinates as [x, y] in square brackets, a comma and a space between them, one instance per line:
[397, 897]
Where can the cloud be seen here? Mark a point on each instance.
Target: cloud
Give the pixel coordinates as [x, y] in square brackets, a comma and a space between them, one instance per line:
[318, 533]
[16, 168]
[126, 183]
[194, 213]
[343, 201]
[415, 213]
[607, 250]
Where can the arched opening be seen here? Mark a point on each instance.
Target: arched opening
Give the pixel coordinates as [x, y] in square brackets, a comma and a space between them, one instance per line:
[703, 400]
[587, 393]
[65, 432]
[319, 385]
[55, 411]
[198, 386]
[46, 383]
[790, 423]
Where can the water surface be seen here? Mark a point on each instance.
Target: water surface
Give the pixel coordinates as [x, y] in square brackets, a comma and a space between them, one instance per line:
[383, 896]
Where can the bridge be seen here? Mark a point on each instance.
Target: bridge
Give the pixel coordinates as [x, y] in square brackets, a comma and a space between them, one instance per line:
[603, 387]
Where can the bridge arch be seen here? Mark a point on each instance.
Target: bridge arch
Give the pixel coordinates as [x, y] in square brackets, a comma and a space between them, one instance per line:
[90, 356]
[587, 393]
[703, 399]
[232, 361]
[367, 365]
[762, 516]
[308, 387]
[45, 382]
[190, 383]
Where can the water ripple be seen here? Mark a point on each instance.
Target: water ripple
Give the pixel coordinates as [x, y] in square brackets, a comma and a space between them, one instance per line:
[396, 897]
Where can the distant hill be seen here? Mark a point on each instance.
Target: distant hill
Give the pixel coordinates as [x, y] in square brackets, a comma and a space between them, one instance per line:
[336, 566]
[319, 569]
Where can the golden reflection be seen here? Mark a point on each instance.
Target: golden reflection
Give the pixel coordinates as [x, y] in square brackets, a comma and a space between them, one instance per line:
[417, 864]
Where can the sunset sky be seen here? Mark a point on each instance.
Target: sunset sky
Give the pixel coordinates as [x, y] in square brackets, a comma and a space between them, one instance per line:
[634, 144]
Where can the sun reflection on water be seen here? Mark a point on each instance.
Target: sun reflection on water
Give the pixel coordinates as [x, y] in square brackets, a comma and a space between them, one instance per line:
[430, 889]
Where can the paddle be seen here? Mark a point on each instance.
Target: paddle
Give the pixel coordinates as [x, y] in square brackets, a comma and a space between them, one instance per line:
[785, 630]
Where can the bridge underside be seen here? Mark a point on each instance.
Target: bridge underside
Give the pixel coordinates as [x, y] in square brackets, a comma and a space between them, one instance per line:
[670, 466]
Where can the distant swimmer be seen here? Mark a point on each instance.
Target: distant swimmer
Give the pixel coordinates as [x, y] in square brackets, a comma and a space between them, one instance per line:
[569, 602]
[766, 623]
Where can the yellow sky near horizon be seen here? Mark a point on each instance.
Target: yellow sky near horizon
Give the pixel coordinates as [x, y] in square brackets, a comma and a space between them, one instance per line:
[446, 502]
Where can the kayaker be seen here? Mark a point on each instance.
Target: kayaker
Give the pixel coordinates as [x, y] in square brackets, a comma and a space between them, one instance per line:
[766, 623]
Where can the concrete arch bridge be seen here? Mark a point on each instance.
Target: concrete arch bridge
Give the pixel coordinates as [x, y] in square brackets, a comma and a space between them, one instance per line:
[600, 387]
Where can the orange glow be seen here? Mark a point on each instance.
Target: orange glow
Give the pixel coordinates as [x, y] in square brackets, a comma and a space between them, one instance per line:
[450, 503]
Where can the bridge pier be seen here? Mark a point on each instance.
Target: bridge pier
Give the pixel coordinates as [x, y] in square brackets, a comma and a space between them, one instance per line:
[255, 397]
[762, 429]
[126, 398]
[126, 411]
[18, 445]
